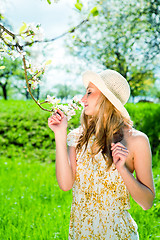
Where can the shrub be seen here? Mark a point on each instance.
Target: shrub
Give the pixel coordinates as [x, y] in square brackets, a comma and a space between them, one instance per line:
[25, 125]
[146, 118]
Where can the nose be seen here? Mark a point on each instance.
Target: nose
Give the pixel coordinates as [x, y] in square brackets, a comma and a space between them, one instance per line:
[83, 98]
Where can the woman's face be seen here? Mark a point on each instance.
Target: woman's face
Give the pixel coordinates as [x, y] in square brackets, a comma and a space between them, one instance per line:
[90, 99]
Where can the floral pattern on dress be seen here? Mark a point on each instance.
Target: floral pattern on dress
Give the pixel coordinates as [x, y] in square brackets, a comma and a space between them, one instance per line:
[100, 199]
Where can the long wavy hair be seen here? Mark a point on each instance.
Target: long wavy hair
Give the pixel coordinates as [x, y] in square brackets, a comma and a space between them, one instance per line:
[106, 125]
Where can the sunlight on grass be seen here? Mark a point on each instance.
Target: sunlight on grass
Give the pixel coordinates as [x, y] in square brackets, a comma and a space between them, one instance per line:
[33, 205]
[35, 208]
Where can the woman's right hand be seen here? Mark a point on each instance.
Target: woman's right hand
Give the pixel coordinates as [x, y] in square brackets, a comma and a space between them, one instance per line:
[57, 122]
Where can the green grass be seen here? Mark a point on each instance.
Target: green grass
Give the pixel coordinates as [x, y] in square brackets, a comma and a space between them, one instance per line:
[32, 206]
[149, 221]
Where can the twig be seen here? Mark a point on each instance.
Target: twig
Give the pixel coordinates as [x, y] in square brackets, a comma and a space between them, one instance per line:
[29, 88]
[19, 48]
[60, 36]
[37, 41]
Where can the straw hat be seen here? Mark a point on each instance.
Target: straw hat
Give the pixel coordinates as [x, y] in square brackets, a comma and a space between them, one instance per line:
[113, 85]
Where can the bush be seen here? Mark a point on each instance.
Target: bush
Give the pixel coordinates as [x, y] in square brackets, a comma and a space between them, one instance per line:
[146, 118]
[25, 125]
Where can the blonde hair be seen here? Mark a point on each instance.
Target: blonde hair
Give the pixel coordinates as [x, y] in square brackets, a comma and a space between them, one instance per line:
[107, 125]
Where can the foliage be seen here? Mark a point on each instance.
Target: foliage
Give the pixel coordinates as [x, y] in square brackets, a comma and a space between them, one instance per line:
[15, 44]
[11, 68]
[24, 125]
[152, 11]
[116, 38]
[65, 91]
[146, 118]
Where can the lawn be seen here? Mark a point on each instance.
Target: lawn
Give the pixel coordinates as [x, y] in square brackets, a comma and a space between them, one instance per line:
[33, 207]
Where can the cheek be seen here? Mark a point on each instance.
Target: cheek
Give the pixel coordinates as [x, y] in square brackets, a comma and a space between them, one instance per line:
[94, 104]
[95, 98]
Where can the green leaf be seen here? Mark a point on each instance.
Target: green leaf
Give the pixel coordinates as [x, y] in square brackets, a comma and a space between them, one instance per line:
[48, 62]
[39, 74]
[24, 26]
[9, 38]
[79, 6]
[49, 1]
[94, 11]
[2, 67]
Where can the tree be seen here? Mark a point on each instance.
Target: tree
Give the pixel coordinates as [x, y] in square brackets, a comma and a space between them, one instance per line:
[152, 12]
[116, 38]
[29, 34]
[12, 71]
[65, 91]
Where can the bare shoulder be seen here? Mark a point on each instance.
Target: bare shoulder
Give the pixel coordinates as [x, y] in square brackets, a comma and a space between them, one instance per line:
[138, 139]
[139, 145]
[139, 148]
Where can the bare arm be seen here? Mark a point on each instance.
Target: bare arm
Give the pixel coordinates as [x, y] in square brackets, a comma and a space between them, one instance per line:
[141, 188]
[64, 163]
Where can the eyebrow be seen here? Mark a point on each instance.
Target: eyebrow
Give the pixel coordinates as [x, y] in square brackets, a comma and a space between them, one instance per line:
[89, 87]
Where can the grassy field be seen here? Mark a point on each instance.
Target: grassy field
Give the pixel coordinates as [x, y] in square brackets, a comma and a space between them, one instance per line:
[33, 207]
[31, 204]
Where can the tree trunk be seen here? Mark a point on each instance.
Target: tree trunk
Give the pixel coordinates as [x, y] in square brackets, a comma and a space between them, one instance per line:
[27, 94]
[4, 87]
[38, 92]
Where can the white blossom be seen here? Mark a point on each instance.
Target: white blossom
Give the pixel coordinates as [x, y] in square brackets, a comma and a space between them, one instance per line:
[37, 30]
[34, 83]
[50, 99]
[69, 110]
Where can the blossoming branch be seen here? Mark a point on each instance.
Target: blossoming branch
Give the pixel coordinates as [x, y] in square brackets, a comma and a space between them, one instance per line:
[69, 109]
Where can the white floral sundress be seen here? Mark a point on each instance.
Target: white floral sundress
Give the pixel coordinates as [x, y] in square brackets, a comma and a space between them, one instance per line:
[100, 199]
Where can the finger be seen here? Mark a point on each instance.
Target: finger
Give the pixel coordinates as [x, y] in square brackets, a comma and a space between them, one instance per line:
[116, 160]
[54, 121]
[118, 154]
[60, 113]
[120, 145]
[120, 149]
[56, 116]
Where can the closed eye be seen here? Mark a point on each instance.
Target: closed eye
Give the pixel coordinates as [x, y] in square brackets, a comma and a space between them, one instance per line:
[88, 93]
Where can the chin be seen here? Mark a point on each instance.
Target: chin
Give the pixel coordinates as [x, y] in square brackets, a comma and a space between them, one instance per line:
[88, 113]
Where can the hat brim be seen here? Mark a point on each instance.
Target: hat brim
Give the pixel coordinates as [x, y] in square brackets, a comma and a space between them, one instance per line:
[90, 76]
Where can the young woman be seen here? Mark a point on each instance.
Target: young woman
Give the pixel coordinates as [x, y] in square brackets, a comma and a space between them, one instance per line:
[103, 154]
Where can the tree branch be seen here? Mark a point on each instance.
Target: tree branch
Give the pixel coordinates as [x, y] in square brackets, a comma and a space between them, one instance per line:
[19, 48]
[7, 31]
[29, 88]
[60, 36]
[37, 41]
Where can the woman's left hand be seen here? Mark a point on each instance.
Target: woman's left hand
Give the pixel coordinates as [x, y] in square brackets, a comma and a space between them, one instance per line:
[119, 154]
